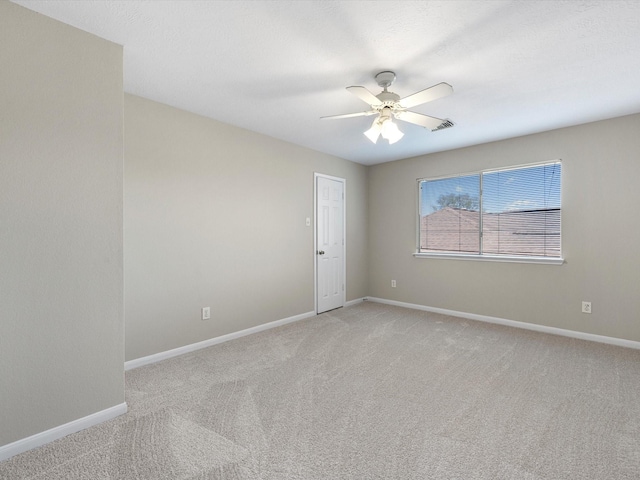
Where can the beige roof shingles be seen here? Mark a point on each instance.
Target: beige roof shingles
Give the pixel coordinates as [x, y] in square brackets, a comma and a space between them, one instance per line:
[521, 232]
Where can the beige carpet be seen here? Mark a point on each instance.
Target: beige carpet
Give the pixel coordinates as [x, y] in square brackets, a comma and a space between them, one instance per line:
[368, 392]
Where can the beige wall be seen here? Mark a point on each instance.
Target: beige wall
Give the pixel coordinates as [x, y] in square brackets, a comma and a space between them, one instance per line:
[61, 292]
[215, 216]
[600, 231]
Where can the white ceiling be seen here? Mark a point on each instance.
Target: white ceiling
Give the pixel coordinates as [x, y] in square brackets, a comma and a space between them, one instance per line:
[276, 67]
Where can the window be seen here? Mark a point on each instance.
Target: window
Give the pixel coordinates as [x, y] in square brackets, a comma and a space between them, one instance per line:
[511, 213]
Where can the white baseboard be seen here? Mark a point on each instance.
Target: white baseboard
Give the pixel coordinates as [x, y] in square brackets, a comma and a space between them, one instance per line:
[354, 302]
[39, 439]
[158, 357]
[621, 342]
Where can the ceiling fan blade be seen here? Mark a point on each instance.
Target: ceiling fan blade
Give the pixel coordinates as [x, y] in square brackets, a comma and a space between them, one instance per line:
[365, 95]
[349, 115]
[419, 119]
[427, 95]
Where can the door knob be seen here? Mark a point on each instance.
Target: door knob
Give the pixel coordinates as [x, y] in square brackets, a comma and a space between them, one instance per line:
[320, 252]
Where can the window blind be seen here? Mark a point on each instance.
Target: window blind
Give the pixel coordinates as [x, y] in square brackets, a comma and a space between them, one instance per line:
[510, 212]
[521, 211]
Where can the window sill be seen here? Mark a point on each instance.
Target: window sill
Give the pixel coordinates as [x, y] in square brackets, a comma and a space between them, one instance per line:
[492, 258]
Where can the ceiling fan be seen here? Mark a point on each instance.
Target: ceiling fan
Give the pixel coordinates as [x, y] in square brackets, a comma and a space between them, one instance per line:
[388, 105]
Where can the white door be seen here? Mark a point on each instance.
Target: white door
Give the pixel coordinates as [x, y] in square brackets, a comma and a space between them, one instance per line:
[330, 292]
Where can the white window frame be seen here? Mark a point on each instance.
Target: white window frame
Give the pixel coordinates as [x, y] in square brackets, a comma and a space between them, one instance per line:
[481, 256]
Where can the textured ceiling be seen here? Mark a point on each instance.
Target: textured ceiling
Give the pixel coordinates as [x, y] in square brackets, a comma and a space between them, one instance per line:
[276, 67]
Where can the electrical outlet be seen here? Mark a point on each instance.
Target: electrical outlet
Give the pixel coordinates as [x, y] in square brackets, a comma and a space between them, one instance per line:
[206, 313]
[393, 284]
[586, 307]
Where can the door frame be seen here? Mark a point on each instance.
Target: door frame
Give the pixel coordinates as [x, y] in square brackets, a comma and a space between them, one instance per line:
[316, 175]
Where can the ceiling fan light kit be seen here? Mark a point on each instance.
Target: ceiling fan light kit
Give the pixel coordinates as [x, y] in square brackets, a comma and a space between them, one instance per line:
[384, 125]
[388, 105]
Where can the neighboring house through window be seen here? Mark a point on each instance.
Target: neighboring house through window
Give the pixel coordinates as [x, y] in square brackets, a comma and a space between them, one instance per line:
[507, 213]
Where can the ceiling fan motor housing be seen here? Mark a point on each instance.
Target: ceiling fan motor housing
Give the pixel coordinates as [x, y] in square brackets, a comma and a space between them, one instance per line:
[388, 97]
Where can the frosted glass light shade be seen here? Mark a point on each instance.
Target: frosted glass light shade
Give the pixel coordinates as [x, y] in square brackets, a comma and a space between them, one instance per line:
[374, 132]
[391, 132]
